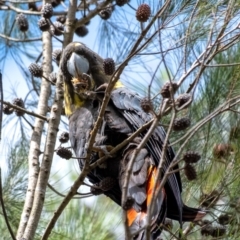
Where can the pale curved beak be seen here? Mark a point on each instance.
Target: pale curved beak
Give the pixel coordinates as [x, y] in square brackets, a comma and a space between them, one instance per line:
[77, 65]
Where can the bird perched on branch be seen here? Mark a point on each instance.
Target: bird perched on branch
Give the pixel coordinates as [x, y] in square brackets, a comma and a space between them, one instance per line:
[83, 77]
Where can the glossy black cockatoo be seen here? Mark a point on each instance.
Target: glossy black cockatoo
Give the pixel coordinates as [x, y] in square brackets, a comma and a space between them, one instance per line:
[83, 75]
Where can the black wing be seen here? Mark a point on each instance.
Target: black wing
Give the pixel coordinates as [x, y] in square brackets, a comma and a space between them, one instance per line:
[128, 104]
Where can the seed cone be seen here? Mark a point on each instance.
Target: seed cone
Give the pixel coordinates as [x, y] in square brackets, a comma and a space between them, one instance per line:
[143, 12]
[182, 99]
[43, 24]
[224, 219]
[190, 172]
[22, 22]
[106, 13]
[55, 3]
[35, 70]
[56, 55]
[146, 104]
[180, 124]
[32, 6]
[19, 102]
[191, 157]
[81, 31]
[207, 230]
[7, 110]
[47, 10]
[64, 153]
[166, 89]
[64, 137]
[221, 150]
[109, 66]
[120, 3]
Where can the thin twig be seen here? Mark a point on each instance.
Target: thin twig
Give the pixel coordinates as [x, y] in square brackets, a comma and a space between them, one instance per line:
[20, 40]
[32, 127]
[28, 12]
[25, 111]
[62, 195]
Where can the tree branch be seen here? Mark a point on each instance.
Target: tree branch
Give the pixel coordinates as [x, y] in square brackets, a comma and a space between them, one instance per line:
[30, 215]
[20, 40]
[25, 111]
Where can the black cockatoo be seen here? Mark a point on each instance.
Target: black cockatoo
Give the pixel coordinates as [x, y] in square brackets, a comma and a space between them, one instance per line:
[83, 75]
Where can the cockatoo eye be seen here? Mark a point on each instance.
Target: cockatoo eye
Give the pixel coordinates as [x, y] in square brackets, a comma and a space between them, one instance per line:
[77, 65]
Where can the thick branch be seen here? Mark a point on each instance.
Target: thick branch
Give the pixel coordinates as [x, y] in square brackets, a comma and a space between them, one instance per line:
[34, 152]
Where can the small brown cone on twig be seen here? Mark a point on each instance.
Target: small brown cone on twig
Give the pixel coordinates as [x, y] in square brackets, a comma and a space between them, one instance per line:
[64, 153]
[222, 150]
[108, 66]
[224, 219]
[19, 102]
[146, 104]
[182, 99]
[207, 230]
[32, 6]
[47, 10]
[7, 110]
[168, 88]
[191, 157]
[64, 137]
[43, 24]
[35, 70]
[106, 13]
[56, 55]
[190, 172]
[22, 22]
[143, 12]
[55, 3]
[182, 123]
[81, 31]
[120, 3]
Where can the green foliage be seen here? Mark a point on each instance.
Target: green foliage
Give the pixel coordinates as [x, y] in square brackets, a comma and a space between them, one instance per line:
[14, 186]
[79, 220]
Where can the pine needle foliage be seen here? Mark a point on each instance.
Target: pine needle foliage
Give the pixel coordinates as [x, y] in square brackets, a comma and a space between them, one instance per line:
[175, 41]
